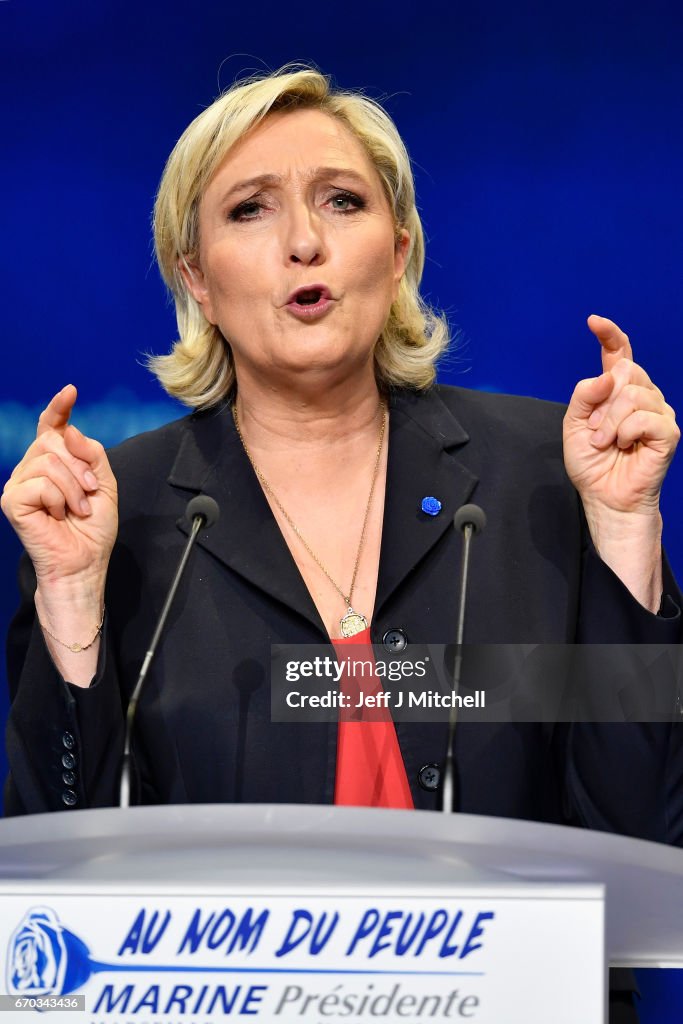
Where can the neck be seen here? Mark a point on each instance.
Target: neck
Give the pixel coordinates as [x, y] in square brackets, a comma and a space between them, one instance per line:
[307, 417]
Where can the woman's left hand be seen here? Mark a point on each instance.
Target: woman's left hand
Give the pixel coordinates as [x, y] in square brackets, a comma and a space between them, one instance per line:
[619, 433]
[619, 438]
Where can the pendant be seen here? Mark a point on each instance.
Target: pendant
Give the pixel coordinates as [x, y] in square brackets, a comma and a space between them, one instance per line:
[352, 623]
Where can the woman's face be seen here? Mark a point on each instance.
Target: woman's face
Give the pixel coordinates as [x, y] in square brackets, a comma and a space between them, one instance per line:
[298, 258]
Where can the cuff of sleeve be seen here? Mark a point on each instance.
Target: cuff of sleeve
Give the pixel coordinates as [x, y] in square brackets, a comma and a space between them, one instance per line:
[611, 614]
[64, 735]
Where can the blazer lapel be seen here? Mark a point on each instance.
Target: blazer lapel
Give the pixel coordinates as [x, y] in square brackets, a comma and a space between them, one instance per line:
[422, 463]
[246, 537]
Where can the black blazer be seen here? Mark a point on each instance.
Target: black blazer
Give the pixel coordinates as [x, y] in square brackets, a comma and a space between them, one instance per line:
[204, 730]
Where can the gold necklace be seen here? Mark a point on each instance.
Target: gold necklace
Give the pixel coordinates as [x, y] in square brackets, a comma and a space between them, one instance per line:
[352, 622]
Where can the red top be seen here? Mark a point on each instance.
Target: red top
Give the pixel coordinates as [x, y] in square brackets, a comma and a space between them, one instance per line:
[370, 769]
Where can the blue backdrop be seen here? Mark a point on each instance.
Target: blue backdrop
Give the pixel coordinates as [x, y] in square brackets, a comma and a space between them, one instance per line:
[548, 154]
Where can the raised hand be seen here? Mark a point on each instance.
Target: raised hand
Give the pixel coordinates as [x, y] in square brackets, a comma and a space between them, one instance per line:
[619, 438]
[619, 433]
[61, 499]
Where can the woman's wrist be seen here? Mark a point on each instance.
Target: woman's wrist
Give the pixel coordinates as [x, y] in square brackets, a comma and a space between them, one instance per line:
[630, 543]
[71, 618]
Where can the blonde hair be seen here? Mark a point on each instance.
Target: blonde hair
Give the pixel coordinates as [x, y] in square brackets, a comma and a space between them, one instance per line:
[199, 371]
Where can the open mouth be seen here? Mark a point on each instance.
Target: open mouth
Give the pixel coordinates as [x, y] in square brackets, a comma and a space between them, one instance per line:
[309, 295]
[310, 302]
[309, 298]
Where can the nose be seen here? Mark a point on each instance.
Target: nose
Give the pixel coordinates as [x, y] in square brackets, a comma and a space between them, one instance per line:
[304, 242]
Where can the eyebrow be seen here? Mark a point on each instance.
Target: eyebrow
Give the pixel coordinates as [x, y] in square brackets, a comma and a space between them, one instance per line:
[332, 172]
[258, 182]
[316, 173]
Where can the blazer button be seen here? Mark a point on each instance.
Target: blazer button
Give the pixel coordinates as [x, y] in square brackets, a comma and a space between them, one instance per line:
[69, 778]
[395, 640]
[68, 760]
[69, 798]
[429, 777]
[68, 741]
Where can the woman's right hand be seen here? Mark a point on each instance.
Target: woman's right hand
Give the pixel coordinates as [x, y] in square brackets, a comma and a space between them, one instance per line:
[62, 501]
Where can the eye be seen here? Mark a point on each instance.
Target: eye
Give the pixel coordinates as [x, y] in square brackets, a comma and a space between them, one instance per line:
[250, 209]
[346, 202]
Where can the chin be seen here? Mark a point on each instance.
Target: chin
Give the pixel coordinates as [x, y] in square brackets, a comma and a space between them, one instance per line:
[319, 352]
[324, 364]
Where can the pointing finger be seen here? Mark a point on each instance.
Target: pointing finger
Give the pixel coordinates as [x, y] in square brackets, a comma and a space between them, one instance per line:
[614, 343]
[56, 415]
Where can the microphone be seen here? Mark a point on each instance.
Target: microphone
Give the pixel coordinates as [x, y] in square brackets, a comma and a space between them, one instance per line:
[205, 507]
[201, 512]
[470, 520]
[467, 515]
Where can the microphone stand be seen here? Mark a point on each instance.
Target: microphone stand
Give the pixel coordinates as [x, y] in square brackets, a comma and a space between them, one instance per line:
[470, 519]
[202, 511]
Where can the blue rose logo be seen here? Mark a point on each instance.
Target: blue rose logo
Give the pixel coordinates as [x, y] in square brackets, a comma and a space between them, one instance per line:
[44, 959]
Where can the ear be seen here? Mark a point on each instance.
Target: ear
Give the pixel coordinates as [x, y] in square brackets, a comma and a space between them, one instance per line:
[195, 282]
[401, 251]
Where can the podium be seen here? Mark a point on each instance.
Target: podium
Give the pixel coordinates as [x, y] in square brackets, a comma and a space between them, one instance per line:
[309, 913]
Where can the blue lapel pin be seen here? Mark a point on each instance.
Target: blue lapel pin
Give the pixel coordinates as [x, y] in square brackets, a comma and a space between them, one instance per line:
[431, 506]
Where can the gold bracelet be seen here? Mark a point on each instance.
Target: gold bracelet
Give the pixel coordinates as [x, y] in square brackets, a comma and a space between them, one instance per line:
[74, 648]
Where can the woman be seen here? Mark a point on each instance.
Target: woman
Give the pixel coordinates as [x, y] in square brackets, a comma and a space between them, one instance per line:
[287, 231]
